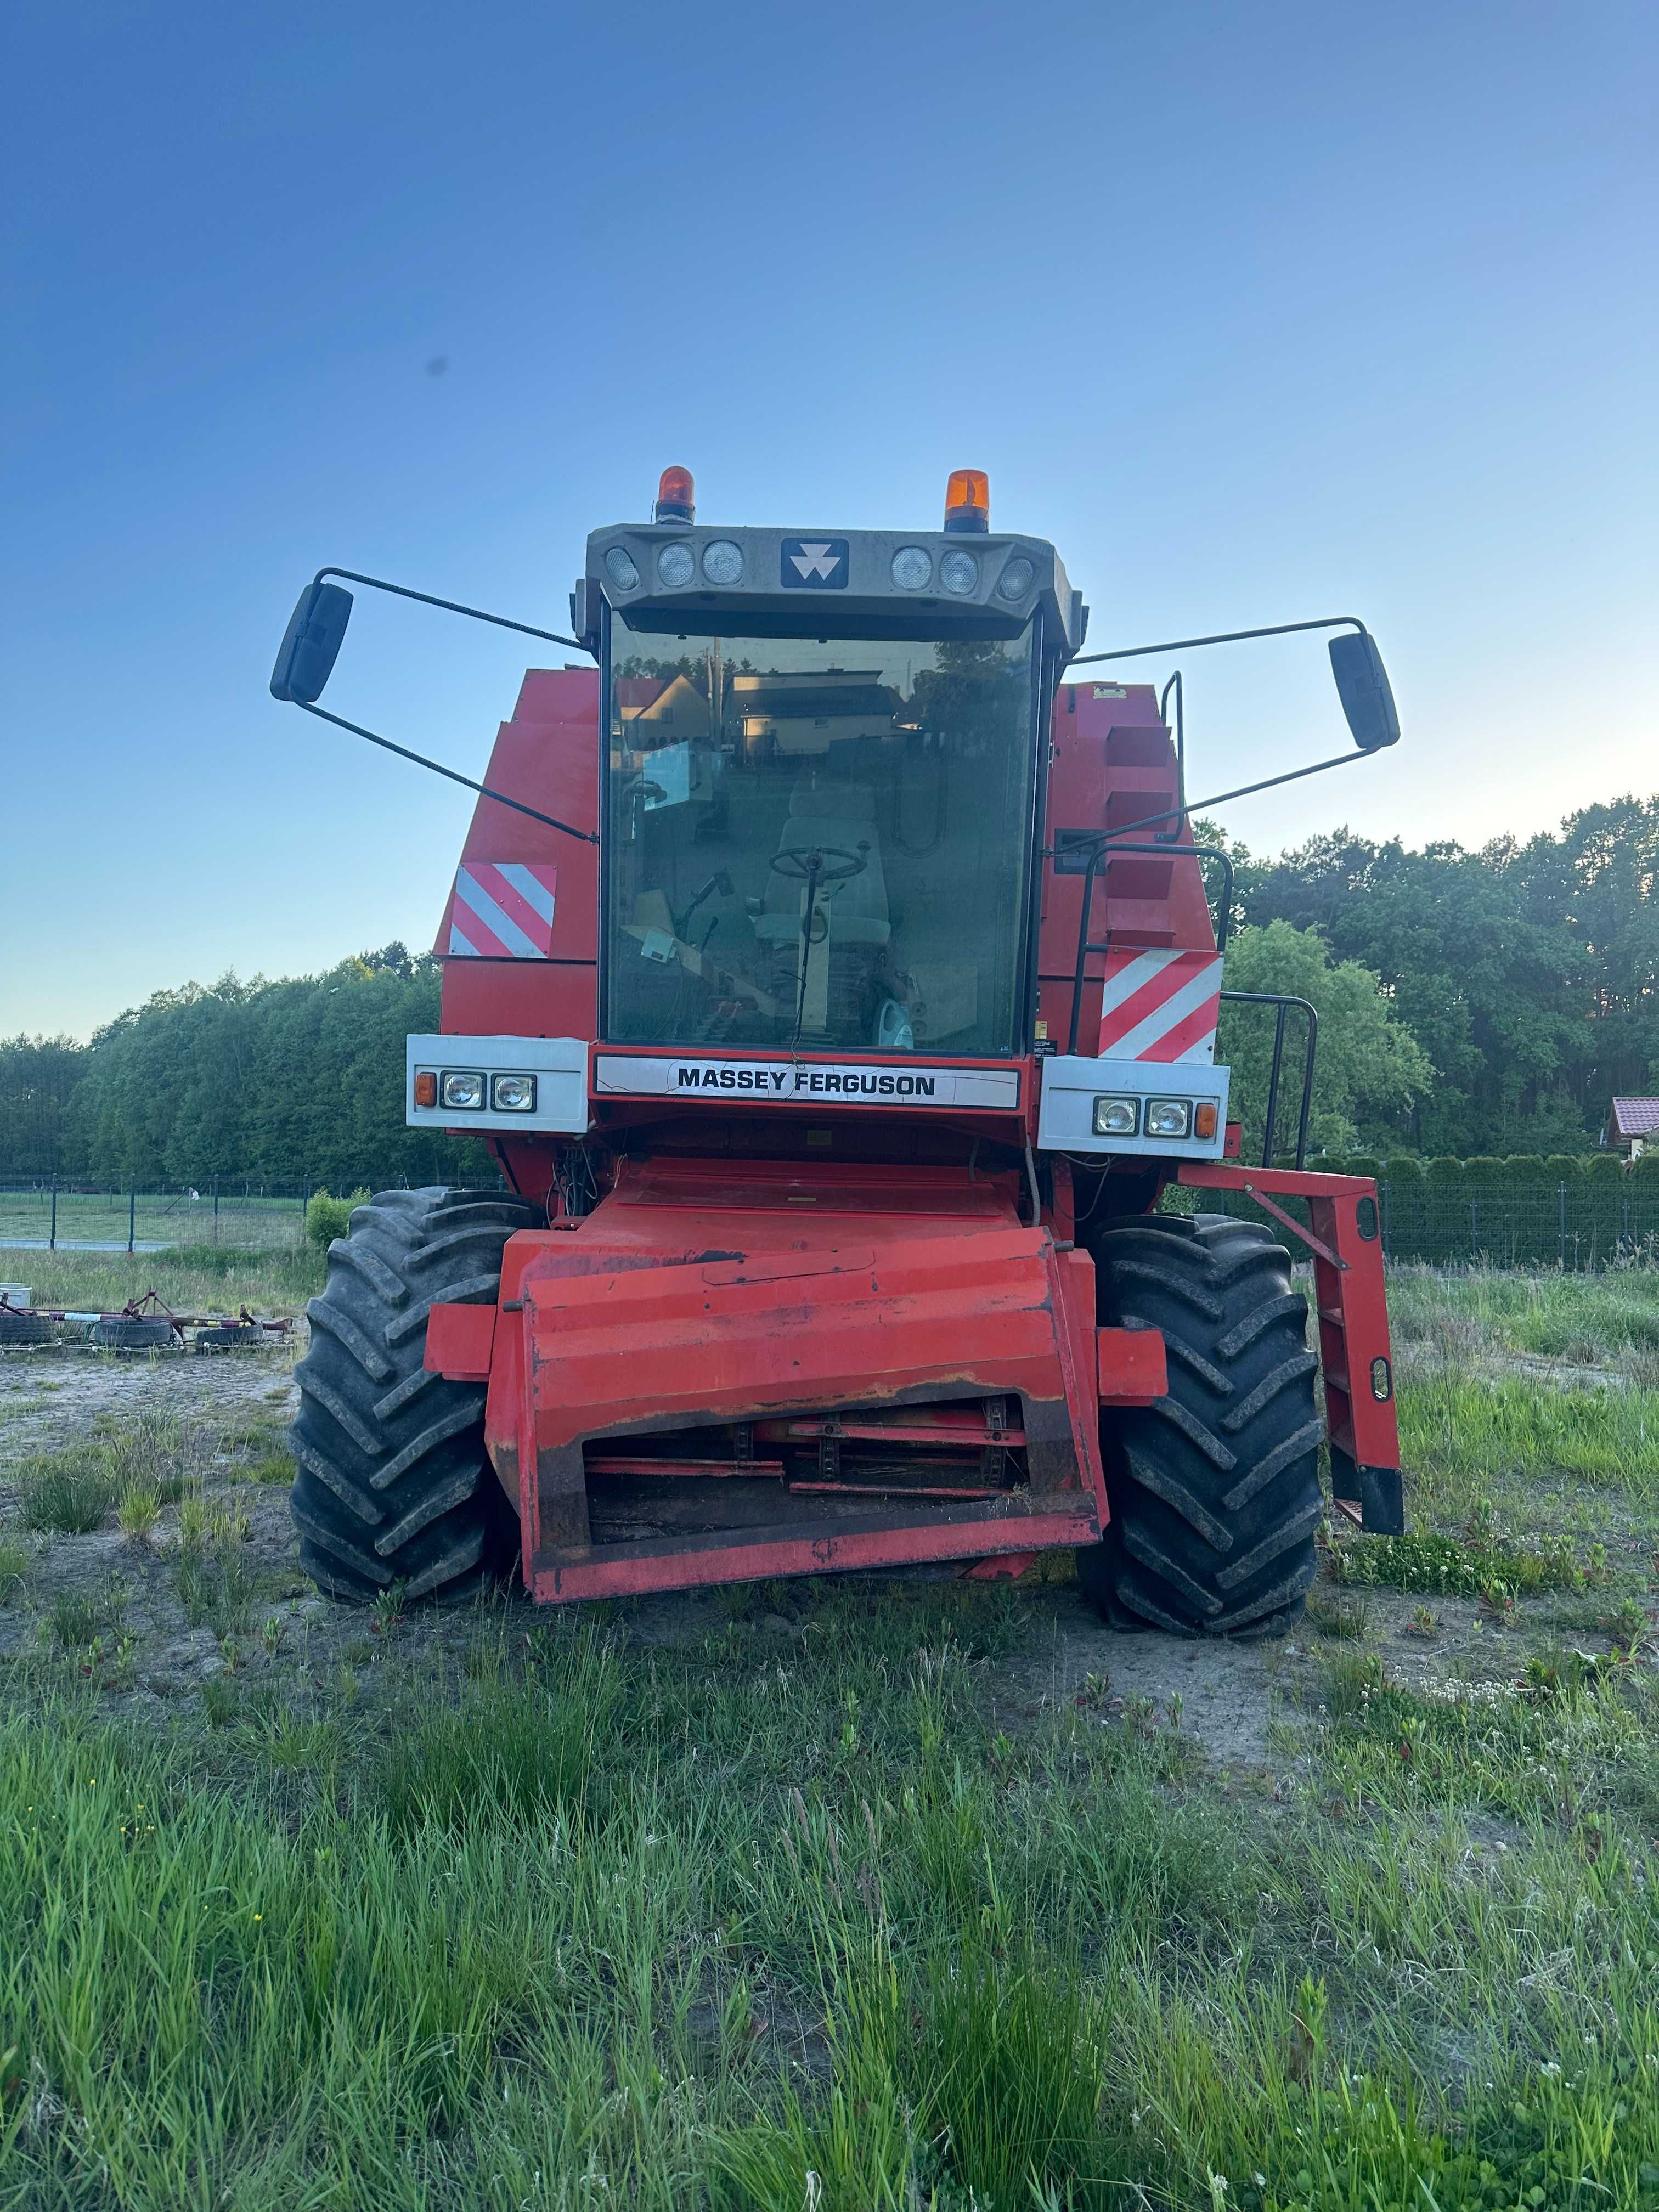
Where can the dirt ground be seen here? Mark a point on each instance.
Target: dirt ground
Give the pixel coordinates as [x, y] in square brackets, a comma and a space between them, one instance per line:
[126, 1612]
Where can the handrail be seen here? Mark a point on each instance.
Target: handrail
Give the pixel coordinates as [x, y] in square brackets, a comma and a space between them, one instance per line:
[1284, 1005]
[1175, 686]
[1105, 849]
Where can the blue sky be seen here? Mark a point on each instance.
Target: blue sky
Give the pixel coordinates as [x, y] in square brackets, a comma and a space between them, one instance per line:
[1260, 311]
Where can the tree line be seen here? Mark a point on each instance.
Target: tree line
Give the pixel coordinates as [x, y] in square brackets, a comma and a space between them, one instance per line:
[1470, 1003]
[283, 1083]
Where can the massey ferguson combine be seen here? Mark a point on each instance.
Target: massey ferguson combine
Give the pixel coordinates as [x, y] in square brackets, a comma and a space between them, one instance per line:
[832, 974]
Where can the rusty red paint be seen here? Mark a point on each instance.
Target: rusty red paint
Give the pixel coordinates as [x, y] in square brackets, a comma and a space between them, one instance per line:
[635, 1570]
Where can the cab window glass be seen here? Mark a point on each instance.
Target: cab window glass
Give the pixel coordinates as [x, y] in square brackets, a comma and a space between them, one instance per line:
[821, 847]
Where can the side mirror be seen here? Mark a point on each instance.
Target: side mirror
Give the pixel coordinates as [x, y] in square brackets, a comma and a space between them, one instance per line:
[310, 644]
[1362, 685]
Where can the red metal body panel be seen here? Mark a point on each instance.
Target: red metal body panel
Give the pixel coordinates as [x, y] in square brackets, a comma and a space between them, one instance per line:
[1131, 1367]
[686, 1300]
[1350, 1304]
[460, 1342]
[549, 755]
[1112, 762]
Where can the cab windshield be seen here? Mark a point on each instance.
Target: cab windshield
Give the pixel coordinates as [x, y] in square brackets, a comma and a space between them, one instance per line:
[817, 846]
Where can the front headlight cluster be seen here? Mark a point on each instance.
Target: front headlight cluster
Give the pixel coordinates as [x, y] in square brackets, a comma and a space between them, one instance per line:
[466, 1091]
[1126, 1115]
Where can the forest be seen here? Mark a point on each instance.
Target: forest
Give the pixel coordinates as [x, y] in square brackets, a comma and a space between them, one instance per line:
[1471, 1003]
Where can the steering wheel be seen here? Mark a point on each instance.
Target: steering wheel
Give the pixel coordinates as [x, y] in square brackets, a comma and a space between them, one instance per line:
[801, 864]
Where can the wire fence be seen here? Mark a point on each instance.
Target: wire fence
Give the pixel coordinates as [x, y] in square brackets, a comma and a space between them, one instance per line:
[41, 1213]
[1600, 1221]
[1603, 1222]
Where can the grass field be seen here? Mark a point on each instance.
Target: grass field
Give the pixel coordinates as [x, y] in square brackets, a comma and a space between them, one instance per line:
[190, 1278]
[846, 1896]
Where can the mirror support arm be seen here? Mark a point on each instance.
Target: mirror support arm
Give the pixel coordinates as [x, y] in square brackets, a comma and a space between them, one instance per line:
[1221, 637]
[587, 837]
[1218, 797]
[453, 607]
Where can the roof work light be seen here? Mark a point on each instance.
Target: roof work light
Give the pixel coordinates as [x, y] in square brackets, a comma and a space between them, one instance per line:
[675, 499]
[968, 501]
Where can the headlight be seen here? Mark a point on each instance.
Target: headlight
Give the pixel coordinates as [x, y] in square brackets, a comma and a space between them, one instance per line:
[465, 1093]
[912, 568]
[1168, 1117]
[722, 562]
[959, 571]
[514, 1094]
[1015, 581]
[1116, 1117]
[674, 566]
[619, 566]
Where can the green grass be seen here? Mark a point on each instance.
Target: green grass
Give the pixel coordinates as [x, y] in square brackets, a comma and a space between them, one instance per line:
[693, 1924]
[190, 1278]
[14, 1566]
[70, 1492]
[501, 1910]
[1466, 1565]
[1456, 1429]
[273, 1468]
[1591, 1319]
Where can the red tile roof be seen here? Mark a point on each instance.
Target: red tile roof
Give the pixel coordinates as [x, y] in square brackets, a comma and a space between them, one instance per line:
[1635, 1117]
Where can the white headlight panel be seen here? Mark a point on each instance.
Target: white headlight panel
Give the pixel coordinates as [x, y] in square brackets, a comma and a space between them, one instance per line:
[912, 568]
[675, 565]
[619, 566]
[1016, 579]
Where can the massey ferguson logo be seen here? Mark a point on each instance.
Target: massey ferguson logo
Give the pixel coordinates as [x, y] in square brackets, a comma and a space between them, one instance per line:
[808, 1081]
[815, 564]
[805, 1082]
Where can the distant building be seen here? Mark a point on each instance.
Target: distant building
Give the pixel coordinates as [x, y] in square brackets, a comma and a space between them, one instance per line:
[1632, 1125]
[662, 712]
[807, 711]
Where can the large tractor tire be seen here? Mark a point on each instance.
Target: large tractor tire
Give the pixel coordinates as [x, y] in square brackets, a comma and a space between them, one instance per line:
[393, 1483]
[1214, 1490]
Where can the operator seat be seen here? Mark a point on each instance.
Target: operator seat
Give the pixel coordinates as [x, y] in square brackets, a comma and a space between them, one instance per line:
[837, 818]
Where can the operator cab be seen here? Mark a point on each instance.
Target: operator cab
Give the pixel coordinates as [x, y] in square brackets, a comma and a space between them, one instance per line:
[822, 779]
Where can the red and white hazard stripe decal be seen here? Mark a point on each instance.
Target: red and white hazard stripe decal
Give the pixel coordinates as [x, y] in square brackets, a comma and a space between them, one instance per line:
[1160, 1005]
[502, 910]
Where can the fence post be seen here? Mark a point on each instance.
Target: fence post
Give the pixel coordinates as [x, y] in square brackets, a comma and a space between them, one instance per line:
[1561, 1193]
[132, 1214]
[1474, 1234]
[1388, 1239]
[215, 1209]
[52, 1247]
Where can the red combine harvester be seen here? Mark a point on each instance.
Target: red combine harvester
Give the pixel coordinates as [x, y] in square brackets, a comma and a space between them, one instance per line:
[832, 975]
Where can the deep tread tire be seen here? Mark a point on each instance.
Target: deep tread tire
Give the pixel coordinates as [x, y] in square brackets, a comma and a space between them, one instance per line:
[1214, 1491]
[394, 1485]
[18, 1325]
